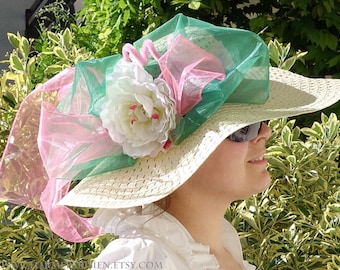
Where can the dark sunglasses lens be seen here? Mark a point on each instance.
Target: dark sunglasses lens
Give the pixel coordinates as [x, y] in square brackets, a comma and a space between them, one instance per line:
[247, 133]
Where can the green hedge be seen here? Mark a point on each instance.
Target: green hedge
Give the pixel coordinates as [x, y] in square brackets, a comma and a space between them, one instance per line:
[292, 225]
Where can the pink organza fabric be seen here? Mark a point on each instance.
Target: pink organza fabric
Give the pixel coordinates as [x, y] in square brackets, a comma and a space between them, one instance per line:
[188, 69]
[24, 177]
[51, 141]
[185, 67]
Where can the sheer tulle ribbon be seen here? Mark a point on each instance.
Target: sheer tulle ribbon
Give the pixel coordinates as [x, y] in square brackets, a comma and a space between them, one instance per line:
[185, 67]
[188, 69]
[57, 135]
[73, 144]
[26, 178]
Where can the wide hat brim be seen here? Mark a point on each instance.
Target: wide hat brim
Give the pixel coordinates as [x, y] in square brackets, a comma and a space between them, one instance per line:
[152, 179]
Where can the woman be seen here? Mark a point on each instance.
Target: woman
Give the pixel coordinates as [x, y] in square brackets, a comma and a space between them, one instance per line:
[163, 139]
[234, 171]
[194, 213]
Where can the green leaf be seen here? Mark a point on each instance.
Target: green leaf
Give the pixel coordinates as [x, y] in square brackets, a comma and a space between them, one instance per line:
[104, 34]
[195, 5]
[335, 207]
[44, 248]
[219, 6]
[53, 37]
[10, 99]
[296, 133]
[3, 204]
[15, 63]
[287, 65]
[131, 7]
[332, 127]
[53, 69]
[122, 4]
[63, 251]
[286, 136]
[311, 178]
[285, 52]
[310, 132]
[328, 5]
[67, 37]
[307, 158]
[7, 231]
[126, 16]
[276, 149]
[291, 159]
[324, 117]
[249, 218]
[273, 52]
[42, 235]
[17, 212]
[317, 127]
[280, 48]
[24, 47]
[303, 210]
[19, 239]
[59, 52]
[276, 162]
[14, 40]
[31, 65]
[334, 61]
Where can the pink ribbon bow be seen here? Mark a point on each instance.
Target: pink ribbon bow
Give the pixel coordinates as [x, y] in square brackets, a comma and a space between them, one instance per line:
[26, 178]
[186, 68]
[44, 144]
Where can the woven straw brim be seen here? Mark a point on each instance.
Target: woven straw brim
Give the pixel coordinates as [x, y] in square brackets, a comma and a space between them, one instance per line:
[154, 178]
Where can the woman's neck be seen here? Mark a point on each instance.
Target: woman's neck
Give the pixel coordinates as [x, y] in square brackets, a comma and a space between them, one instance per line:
[204, 222]
[202, 219]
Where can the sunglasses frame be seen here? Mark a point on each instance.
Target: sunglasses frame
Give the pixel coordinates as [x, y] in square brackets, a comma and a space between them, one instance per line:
[246, 133]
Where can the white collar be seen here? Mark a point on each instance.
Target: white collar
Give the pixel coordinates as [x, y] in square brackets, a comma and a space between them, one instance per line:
[156, 223]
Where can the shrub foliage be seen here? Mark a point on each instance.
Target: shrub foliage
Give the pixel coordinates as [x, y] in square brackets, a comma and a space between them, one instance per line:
[292, 225]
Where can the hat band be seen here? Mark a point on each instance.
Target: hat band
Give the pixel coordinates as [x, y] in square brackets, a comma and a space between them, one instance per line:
[206, 95]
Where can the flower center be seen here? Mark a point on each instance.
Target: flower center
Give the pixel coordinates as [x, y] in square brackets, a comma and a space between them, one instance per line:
[138, 114]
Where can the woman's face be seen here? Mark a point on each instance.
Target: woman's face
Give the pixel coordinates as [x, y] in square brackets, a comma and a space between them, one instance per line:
[235, 170]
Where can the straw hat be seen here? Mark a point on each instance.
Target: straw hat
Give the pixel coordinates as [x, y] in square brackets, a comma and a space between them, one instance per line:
[246, 95]
[154, 178]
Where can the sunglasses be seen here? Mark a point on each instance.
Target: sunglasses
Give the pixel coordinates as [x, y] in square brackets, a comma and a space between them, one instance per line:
[247, 133]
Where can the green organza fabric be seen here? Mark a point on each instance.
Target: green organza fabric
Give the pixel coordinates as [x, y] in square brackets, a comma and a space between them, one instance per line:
[246, 64]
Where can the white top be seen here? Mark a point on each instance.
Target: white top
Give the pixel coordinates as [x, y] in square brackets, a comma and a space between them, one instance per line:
[153, 239]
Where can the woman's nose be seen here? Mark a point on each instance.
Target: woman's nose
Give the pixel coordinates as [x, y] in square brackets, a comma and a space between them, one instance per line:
[264, 132]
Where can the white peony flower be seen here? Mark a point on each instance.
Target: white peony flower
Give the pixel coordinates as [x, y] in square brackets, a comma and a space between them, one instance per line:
[138, 112]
